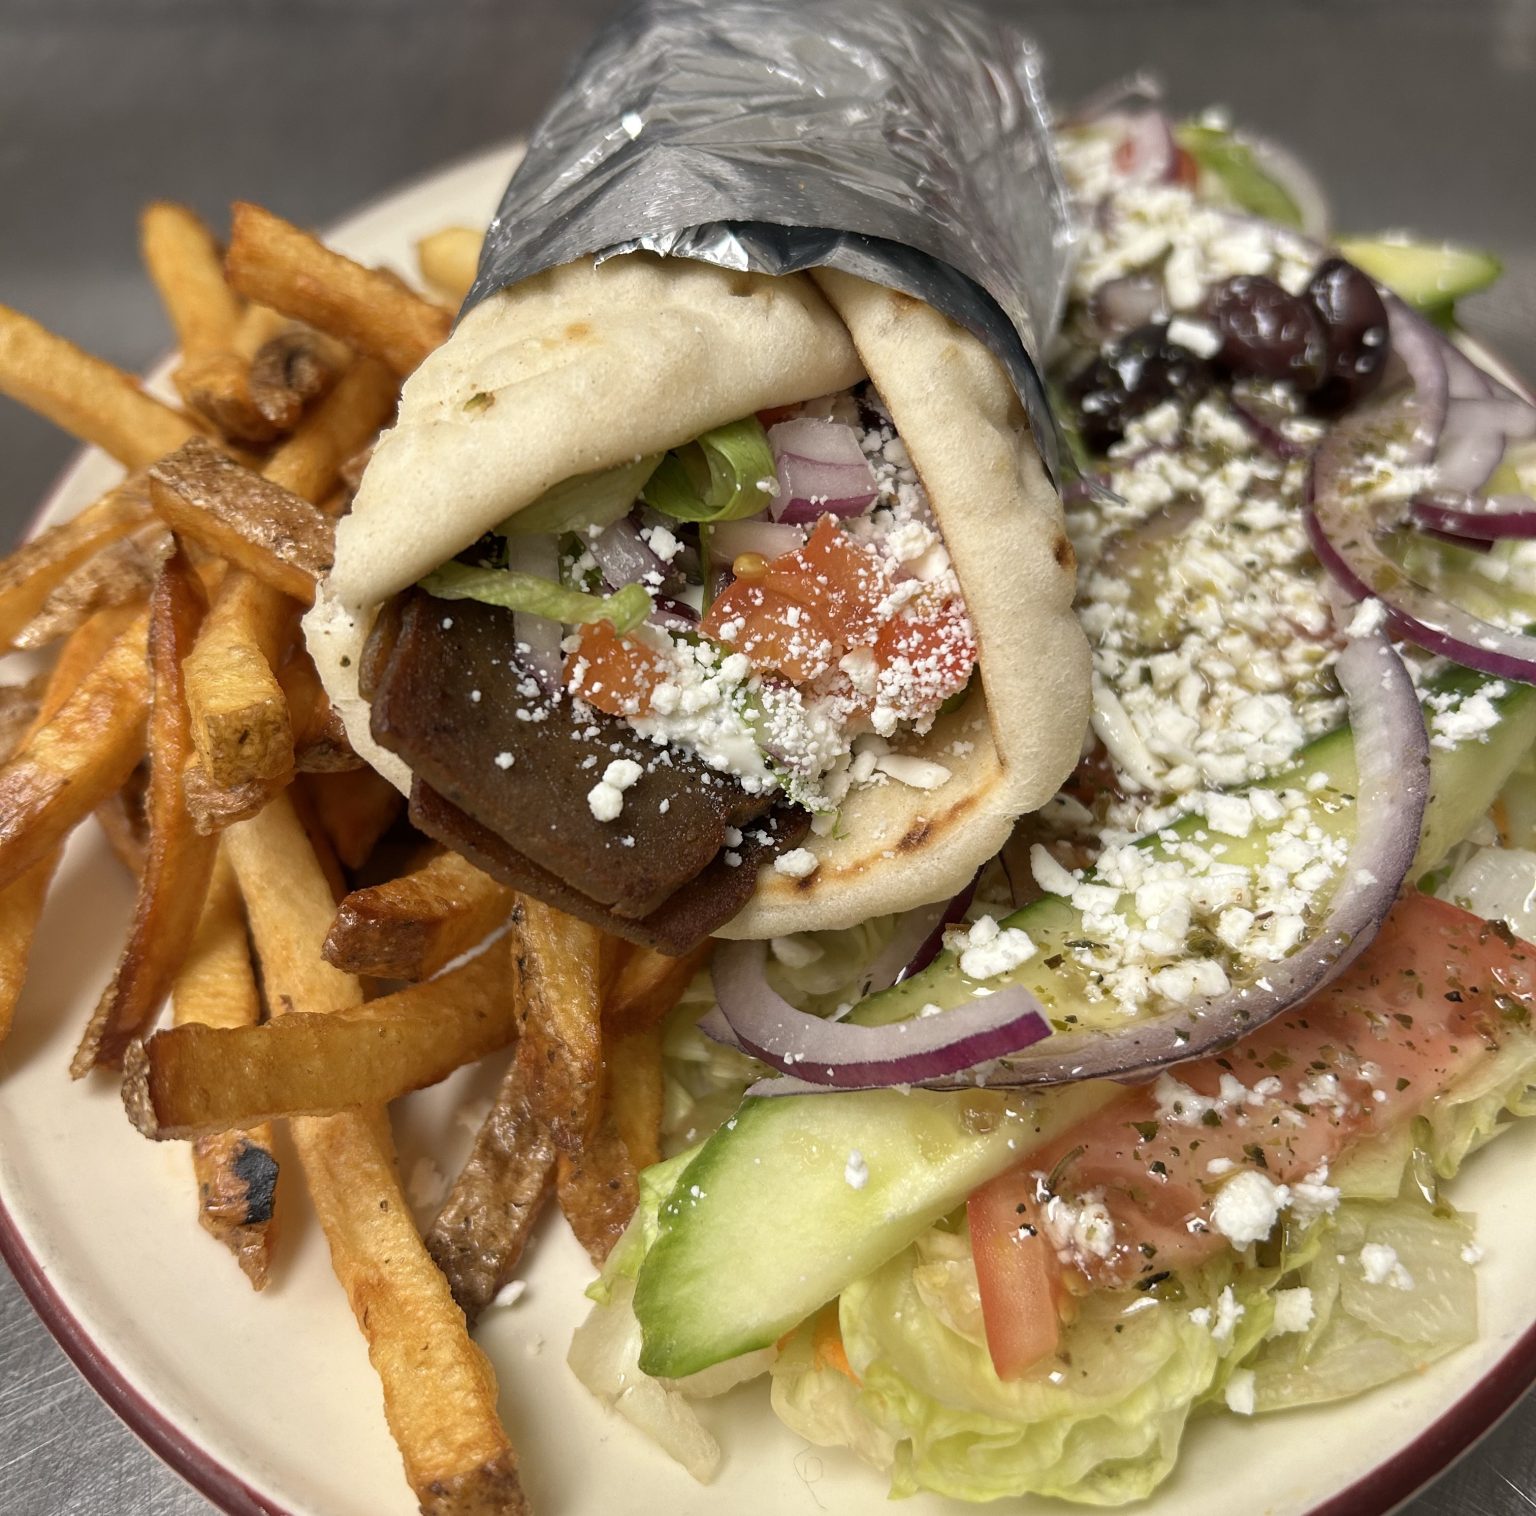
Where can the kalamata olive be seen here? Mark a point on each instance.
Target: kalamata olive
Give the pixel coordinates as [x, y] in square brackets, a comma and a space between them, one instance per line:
[1129, 378]
[1355, 326]
[1267, 332]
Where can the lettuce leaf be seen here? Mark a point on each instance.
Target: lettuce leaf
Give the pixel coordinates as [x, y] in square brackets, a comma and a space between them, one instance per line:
[726, 475]
[626, 608]
[587, 500]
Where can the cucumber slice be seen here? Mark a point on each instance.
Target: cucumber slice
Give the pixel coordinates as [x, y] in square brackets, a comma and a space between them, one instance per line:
[1235, 166]
[1430, 276]
[765, 1226]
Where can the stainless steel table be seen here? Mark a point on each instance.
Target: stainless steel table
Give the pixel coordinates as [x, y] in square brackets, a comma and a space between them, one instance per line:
[1415, 114]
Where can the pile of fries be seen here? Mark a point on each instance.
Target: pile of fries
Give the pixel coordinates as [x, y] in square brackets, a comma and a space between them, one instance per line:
[319, 958]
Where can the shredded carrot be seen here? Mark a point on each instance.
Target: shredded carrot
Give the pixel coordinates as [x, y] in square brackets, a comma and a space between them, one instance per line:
[827, 1344]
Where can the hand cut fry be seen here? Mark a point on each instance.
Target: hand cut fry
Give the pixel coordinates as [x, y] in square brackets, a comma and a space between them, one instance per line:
[123, 820]
[217, 387]
[122, 573]
[636, 1093]
[439, 1390]
[293, 367]
[185, 264]
[87, 396]
[349, 418]
[213, 807]
[205, 496]
[236, 1171]
[239, 717]
[71, 763]
[258, 325]
[194, 1080]
[180, 859]
[19, 705]
[409, 927]
[479, 1235]
[448, 260]
[36, 569]
[275, 262]
[320, 744]
[647, 986]
[21, 903]
[558, 961]
[598, 1188]
[354, 811]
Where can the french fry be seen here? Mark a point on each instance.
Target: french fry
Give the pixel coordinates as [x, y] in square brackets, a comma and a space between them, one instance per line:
[258, 325]
[217, 386]
[72, 762]
[87, 396]
[239, 717]
[203, 495]
[636, 1093]
[213, 807]
[275, 262]
[185, 264]
[36, 569]
[598, 1189]
[320, 744]
[647, 986]
[21, 903]
[292, 368]
[439, 1390]
[310, 462]
[478, 1237]
[191, 1081]
[180, 859]
[19, 704]
[410, 926]
[448, 260]
[558, 961]
[123, 822]
[236, 1171]
[354, 811]
[122, 573]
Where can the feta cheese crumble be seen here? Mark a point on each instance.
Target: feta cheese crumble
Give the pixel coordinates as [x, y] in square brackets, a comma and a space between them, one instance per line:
[1247, 1207]
[856, 1170]
[1379, 1263]
[986, 949]
[798, 863]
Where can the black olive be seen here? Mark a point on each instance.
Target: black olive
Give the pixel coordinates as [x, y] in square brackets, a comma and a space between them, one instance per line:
[1129, 378]
[1268, 333]
[1355, 327]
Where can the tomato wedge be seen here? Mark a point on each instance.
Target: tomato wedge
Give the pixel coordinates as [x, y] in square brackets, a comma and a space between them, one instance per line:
[613, 673]
[1432, 996]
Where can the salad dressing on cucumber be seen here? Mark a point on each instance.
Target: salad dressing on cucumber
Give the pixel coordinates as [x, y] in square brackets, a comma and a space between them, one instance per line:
[1153, 1118]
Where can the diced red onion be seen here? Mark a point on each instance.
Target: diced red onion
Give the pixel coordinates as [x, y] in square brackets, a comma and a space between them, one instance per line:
[1146, 152]
[1266, 433]
[1121, 305]
[1392, 788]
[1475, 520]
[1422, 351]
[673, 615]
[623, 556]
[754, 1017]
[730, 539]
[537, 638]
[821, 468]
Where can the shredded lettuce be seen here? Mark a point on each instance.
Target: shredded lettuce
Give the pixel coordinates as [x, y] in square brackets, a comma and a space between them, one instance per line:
[626, 608]
[726, 475]
[585, 501]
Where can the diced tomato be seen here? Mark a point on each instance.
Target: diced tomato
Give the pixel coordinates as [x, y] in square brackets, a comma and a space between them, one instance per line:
[613, 673]
[810, 607]
[1430, 998]
[776, 413]
[925, 654]
[1185, 170]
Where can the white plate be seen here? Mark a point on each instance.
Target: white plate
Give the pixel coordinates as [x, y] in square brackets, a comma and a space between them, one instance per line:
[267, 1403]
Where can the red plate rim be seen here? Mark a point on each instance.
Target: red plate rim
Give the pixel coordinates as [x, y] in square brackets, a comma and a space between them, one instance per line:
[1377, 1492]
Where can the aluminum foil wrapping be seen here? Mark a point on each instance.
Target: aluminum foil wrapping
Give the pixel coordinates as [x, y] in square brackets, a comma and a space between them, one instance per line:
[898, 140]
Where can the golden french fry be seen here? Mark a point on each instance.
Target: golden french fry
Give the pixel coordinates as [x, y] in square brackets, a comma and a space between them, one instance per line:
[320, 744]
[239, 717]
[21, 903]
[180, 859]
[354, 810]
[122, 573]
[439, 1389]
[647, 986]
[205, 496]
[72, 762]
[87, 396]
[217, 387]
[479, 1235]
[410, 926]
[258, 325]
[277, 263]
[213, 807]
[194, 1080]
[236, 1171]
[310, 462]
[187, 268]
[124, 823]
[36, 569]
[19, 704]
[448, 260]
[598, 1188]
[636, 1093]
[293, 367]
[558, 960]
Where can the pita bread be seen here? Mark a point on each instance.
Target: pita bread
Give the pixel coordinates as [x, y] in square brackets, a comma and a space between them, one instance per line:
[586, 367]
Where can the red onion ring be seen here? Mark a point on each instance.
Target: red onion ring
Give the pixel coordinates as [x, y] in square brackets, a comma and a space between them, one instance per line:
[821, 468]
[753, 1017]
[1475, 520]
[1392, 789]
[623, 556]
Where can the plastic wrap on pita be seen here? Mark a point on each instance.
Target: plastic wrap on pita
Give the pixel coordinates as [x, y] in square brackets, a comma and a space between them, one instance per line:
[906, 143]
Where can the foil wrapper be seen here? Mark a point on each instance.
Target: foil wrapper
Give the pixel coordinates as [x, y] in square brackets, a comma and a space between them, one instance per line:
[902, 141]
